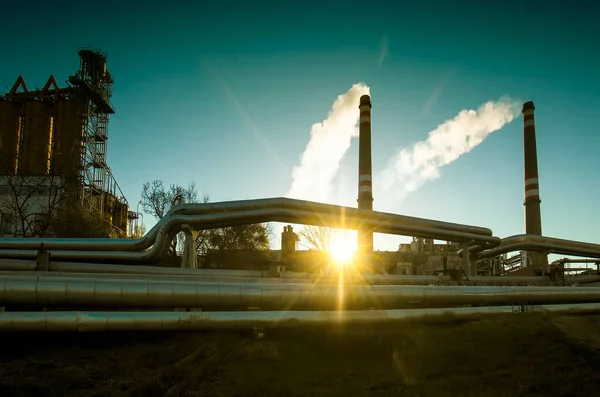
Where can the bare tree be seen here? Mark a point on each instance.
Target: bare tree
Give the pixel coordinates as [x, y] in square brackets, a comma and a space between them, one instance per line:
[157, 200]
[45, 206]
[316, 237]
[30, 204]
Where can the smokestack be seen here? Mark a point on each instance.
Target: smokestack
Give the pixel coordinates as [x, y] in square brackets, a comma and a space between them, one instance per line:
[533, 217]
[365, 190]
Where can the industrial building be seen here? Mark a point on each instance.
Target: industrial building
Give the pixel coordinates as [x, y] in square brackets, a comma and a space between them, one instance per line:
[60, 134]
[423, 256]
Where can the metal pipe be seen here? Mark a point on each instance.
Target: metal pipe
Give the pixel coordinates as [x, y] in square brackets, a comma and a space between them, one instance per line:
[17, 265]
[67, 267]
[224, 211]
[312, 278]
[173, 224]
[473, 249]
[157, 271]
[583, 278]
[168, 277]
[321, 208]
[543, 243]
[188, 321]
[95, 292]
[571, 260]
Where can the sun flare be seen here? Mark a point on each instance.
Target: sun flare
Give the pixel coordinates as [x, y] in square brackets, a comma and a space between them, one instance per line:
[341, 248]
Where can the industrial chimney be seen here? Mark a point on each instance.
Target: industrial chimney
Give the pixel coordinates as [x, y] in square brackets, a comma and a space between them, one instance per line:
[365, 190]
[533, 218]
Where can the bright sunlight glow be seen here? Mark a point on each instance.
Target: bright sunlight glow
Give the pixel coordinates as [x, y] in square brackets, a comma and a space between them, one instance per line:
[342, 247]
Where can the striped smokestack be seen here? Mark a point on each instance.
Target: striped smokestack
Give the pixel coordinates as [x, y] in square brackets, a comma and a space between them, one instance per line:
[365, 190]
[533, 219]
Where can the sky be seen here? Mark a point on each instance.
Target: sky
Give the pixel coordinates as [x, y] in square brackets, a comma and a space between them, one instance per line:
[228, 95]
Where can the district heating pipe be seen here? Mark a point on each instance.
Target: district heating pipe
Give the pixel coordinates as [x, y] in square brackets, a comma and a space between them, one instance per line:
[532, 242]
[364, 280]
[542, 243]
[300, 278]
[113, 270]
[196, 321]
[60, 269]
[222, 209]
[115, 293]
[173, 224]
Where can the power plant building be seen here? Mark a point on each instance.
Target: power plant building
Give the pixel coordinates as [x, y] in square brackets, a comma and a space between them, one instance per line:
[61, 133]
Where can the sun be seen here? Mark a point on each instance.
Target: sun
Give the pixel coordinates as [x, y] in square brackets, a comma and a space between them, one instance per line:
[341, 248]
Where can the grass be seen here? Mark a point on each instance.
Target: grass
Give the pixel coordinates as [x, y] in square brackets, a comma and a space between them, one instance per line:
[511, 355]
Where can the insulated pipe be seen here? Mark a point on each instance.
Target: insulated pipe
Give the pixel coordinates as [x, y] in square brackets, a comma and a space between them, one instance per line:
[209, 221]
[364, 279]
[94, 292]
[170, 277]
[543, 243]
[322, 208]
[570, 260]
[169, 272]
[186, 321]
[222, 213]
[103, 268]
[583, 278]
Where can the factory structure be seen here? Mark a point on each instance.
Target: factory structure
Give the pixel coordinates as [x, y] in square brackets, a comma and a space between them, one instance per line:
[53, 142]
[55, 139]
[422, 256]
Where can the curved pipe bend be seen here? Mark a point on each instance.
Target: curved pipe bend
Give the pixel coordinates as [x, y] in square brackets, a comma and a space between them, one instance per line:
[173, 223]
[223, 209]
[543, 243]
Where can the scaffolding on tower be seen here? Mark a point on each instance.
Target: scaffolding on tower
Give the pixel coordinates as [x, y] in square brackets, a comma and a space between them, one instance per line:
[64, 131]
[95, 85]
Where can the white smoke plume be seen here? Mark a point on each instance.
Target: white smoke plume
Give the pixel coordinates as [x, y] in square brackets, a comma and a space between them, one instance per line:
[419, 163]
[329, 141]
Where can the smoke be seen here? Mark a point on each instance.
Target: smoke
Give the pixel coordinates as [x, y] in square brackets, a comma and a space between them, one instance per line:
[329, 141]
[419, 163]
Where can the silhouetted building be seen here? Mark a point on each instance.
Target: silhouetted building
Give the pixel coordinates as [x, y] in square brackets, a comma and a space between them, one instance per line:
[62, 132]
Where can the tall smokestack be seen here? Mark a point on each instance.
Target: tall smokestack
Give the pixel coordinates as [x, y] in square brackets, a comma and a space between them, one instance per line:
[533, 217]
[365, 189]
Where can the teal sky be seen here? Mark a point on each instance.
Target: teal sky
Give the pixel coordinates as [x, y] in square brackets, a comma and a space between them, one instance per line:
[225, 94]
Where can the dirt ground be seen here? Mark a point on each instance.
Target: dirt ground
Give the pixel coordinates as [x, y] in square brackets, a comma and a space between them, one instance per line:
[509, 355]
